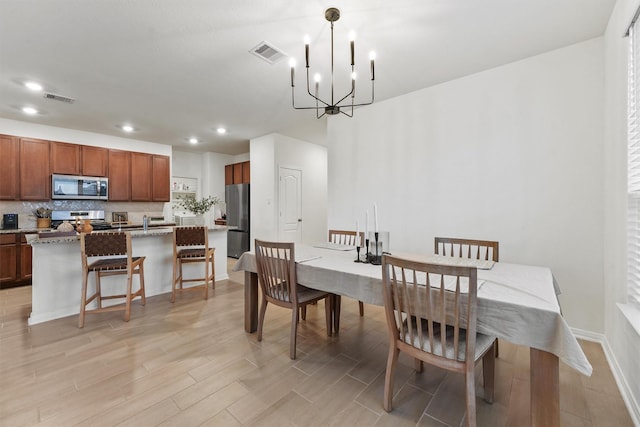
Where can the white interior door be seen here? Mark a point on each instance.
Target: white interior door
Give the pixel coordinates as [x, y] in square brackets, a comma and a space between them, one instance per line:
[290, 205]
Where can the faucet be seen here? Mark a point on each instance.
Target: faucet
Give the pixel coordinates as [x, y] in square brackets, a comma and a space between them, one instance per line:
[145, 223]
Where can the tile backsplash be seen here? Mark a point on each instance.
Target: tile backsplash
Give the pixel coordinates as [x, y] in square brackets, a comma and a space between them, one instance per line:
[136, 210]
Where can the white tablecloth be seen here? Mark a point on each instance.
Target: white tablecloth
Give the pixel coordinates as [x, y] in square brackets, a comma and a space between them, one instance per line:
[517, 303]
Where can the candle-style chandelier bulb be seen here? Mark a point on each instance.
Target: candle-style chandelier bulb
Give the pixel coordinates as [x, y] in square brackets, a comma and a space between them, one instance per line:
[332, 108]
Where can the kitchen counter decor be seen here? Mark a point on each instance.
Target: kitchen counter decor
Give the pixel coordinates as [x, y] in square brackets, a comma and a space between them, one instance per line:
[43, 217]
[199, 207]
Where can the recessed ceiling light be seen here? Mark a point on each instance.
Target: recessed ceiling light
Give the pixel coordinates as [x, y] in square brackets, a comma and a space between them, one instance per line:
[127, 128]
[193, 140]
[33, 86]
[221, 130]
[29, 110]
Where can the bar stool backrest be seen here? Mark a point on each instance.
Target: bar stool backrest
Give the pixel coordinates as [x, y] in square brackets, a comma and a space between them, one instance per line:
[191, 236]
[105, 244]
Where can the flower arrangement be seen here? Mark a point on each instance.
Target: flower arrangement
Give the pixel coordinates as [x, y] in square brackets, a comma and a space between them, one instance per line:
[198, 207]
[42, 213]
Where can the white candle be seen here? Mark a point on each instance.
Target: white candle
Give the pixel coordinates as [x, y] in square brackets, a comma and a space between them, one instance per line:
[357, 234]
[366, 224]
[375, 217]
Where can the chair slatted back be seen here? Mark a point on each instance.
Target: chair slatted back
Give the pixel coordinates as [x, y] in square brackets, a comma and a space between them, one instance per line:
[467, 248]
[104, 244]
[345, 237]
[190, 236]
[277, 270]
[431, 307]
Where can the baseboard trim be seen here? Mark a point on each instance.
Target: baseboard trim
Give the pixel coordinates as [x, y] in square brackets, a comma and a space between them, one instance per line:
[623, 387]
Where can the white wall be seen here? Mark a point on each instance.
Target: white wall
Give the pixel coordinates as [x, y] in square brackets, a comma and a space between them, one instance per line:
[188, 165]
[267, 155]
[264, 190]
[512, 154]
[622, 340]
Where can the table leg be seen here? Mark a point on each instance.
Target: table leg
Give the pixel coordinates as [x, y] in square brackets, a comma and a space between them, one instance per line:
[250, 301]
[545, 388]
[337, 299]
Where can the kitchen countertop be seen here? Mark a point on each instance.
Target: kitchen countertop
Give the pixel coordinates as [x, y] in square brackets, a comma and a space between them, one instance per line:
[33, 239]
[113, 227]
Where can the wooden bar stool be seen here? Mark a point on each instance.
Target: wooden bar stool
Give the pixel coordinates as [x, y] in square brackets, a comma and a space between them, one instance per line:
[102, 254]
[191, 245]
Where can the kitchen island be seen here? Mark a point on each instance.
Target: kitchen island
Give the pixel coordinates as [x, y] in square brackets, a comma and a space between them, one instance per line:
[57, 269]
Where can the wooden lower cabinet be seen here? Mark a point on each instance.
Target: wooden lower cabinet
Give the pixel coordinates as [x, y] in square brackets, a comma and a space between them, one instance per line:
[8, 258]
[15, 260]
[26, 258]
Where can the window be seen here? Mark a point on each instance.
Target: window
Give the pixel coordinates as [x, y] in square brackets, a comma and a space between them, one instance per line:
[633, 167]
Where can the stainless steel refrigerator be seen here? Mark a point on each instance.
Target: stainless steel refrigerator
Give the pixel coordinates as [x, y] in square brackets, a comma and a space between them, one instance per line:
[237, 201]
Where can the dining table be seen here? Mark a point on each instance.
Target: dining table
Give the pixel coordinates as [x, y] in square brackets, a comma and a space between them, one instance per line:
[517, 303]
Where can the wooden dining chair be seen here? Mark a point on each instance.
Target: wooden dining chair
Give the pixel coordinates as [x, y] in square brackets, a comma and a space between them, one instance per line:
[468, 248]
[431, 313]
[191, 245]
[108, 254]
[277, 278]
[348, 238]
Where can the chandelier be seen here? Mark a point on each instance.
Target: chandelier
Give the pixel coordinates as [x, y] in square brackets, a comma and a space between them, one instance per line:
[323, 107]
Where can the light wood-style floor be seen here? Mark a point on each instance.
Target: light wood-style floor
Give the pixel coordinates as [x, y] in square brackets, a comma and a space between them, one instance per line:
[191, 363]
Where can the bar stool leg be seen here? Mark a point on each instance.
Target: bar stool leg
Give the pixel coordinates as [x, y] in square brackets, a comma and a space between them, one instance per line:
[98, 289]
[83, 299]
[141, 276]
[206, 276]
[127, 311]
[174, 279]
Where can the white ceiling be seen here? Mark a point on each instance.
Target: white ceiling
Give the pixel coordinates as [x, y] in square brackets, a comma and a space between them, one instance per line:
[176, 69]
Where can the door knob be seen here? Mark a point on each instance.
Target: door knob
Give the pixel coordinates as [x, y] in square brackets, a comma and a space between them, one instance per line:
[299, 219]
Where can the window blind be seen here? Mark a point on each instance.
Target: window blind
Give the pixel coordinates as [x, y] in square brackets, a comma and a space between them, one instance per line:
[633, 168]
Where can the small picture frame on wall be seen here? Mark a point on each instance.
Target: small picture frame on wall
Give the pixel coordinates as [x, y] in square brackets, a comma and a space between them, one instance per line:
[119, 218]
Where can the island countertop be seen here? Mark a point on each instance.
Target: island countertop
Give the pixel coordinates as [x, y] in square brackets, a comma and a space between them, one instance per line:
[50, 237]
[57, 268]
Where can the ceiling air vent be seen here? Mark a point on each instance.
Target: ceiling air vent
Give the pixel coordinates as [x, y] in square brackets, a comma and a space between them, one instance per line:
[59, 98]
[268, 52]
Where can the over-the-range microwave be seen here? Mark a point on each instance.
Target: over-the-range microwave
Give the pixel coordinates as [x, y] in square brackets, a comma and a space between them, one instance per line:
[73, 187]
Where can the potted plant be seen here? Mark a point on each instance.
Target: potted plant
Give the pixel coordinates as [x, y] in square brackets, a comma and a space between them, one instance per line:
[43, 217]
[199, 207]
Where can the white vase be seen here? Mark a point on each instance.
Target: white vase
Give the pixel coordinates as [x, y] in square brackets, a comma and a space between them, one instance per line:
[200, 220]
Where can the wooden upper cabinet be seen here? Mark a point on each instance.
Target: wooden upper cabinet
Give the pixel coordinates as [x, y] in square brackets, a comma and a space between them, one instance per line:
[141, 170]
[246, 172]
[161, 179]
[95, 161]
[237, 173]
[35, 176]
[119, 175]
[65, 158]
[9, 158]
[228, 175]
